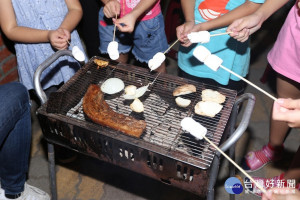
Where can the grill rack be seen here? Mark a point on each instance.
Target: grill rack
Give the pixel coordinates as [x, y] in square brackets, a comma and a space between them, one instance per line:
[161, 113]
[168, 165]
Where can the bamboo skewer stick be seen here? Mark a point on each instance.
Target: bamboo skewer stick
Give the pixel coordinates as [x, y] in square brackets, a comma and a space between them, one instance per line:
[115, 29]
[234, 163]
[252, 84]
[217, 34]
[171, 46]
[69, 43]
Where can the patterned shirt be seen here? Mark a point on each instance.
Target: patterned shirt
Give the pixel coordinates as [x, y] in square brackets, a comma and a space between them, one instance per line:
[44, 15]
[235, 55]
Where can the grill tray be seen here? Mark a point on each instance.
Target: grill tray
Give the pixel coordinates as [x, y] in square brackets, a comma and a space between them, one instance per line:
[163, 134]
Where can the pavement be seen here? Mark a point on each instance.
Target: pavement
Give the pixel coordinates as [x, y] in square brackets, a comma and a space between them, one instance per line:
[90, 179]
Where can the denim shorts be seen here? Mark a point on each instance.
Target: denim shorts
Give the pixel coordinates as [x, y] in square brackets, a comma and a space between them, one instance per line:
[147, 39]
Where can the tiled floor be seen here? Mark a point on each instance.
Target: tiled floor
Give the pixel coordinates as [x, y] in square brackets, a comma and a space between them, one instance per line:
[87, 178]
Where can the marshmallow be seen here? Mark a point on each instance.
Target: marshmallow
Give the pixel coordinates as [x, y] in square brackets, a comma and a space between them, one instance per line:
[78, 54]
[112, 50]
[137, 93]
[114, 55]
[210, 60]
[156, 61]
[199, 37]
[201, 53]
[213, 62]
[112, 46]
[194, 128]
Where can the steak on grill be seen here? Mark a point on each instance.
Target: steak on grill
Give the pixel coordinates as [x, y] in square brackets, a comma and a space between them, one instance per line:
[96, 108]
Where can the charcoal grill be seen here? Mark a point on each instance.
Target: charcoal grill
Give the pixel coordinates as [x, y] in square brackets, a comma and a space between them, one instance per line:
[164, 151]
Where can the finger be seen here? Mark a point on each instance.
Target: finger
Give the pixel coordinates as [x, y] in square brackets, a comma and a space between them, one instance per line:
[289, 103]
[117, 9]
[241, 24]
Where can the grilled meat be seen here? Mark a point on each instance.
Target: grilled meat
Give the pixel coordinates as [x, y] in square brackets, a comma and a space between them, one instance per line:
[96, 108]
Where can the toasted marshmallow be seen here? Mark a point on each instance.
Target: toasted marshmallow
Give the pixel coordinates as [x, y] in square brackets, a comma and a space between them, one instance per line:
[194, 128]
[201, 53]
[137, 106]
[156, 61]
[199, 37]
[213, 62]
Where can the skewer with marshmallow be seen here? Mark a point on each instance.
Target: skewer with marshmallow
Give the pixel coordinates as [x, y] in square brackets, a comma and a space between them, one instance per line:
[198, 131]
[194, 37]
[112, 48]
[159, 58]
[214, 62]
[203, 36]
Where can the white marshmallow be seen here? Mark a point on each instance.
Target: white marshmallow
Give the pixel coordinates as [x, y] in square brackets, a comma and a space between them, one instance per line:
[112, 50]
[112, 46]
[194, 128]
[201, 53]
[199, 37]
[213, 62]
[78, 54]
[114, 55]
[156, 61]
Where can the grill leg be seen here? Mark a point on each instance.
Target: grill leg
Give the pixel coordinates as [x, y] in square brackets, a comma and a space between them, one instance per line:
[231, 167]
[51, 163]
[213, 177]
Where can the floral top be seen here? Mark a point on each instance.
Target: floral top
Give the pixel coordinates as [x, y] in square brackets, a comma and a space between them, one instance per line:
[45, 15]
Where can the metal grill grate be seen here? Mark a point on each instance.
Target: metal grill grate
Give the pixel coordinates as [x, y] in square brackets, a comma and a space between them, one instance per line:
[161, 113]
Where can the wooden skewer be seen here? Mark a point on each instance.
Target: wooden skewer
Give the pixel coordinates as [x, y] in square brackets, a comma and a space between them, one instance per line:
[115, 29]
[252, 84]
[69, 43]
[234, 163]
[217, 34]
[171, 46]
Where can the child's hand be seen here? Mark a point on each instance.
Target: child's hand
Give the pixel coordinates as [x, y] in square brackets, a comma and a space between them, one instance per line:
[126, 23]
[287, 110]
[281, 194]
[242, 28]
[182, 31]
[111, 9]
[58, 38]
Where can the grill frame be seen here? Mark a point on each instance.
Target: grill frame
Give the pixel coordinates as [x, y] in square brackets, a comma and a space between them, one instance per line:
[59, 129]
[163, 87]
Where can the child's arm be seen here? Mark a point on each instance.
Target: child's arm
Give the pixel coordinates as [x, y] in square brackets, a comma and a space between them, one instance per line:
[128, 21]
[188, 7]
[22, 34]
[243, 10]
[245, 26]
[73, 16]
[18, 33]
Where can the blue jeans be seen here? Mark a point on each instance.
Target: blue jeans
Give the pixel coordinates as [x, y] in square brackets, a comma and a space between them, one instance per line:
[15, 136]
[147, 39]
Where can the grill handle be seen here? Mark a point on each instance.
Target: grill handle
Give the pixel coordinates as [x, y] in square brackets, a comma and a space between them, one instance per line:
[37, 75]
[244, 121]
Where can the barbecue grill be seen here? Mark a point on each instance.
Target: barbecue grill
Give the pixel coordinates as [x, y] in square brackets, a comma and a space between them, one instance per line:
[164, 151]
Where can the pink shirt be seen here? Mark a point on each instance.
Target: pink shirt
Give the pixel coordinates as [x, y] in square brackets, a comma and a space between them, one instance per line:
[284, 57]
[128, 5]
